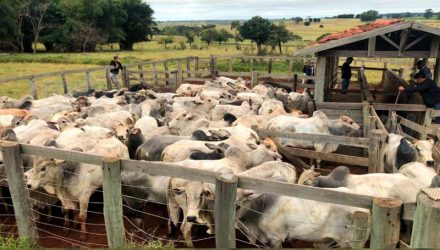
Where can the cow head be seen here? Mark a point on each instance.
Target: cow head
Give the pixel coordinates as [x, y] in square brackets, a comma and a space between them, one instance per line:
[188, 121]
[424, 151]
[43, 174]
[191, 196]
[122, 129]
[308, 177]
[261, 153]
[346, 126]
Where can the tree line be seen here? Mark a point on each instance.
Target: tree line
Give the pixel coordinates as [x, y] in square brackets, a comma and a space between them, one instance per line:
[372, 15]
[74, 25]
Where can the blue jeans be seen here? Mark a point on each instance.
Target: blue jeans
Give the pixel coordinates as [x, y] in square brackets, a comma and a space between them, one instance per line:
[437, 107]
[345, 83]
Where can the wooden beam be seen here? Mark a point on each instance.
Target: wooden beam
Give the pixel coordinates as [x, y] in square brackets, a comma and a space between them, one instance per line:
[364, 53]
[390, 41]
[331, 157]
[371, 46]
[419, 39]
[437, 71]
[425, 28]
[224, 205]
[320, 79]
[403, 40]
[435, 45]
[352, 39]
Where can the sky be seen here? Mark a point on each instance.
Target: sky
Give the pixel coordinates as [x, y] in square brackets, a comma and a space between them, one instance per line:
[177, 10]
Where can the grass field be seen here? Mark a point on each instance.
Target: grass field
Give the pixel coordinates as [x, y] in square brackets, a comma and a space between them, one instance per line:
[26, 64]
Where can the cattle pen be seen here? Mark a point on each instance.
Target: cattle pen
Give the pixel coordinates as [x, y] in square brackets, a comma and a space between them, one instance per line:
[384, 231]
[171, 73]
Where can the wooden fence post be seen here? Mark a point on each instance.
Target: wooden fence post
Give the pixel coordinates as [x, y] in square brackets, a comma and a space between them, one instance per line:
[125, 75]
[114, 223]
[225, 193]
[366, 119]
[270, 66]
[141, 74]
[426, 227]
[188, 67]
[254, 79]
[251, 66]
[380, 168]
[373, 154]
[401, 71]
[88, 80]
[179, 75]
[290, 66]
[19, 193]
[167, 75]
[360, 232]
[295, 82]
[196, 66]
[107, 78]
[426, 123]
[386, 216]
[64, 82]
[33, 88]
[155, 74]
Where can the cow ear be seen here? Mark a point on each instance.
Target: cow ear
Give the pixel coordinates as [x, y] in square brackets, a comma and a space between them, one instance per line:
[49, 189]
[129, 121]
[247, 192]
[109, 134]
[430, 140]
[252, 146]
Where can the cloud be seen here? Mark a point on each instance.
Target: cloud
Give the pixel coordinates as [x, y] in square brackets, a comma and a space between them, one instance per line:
[243, 9]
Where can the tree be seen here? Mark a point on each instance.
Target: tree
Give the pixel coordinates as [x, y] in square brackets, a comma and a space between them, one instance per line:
[235, 25]
[428, 13]
[166, 40]
[438, 16]
[297, 19]
[369, 15]
[8, 28]
[279, 35]
[209, 35]
[36, 12]
[307, 23]
[257, 29]
[138, 25]
[222, 36]
[189, 38]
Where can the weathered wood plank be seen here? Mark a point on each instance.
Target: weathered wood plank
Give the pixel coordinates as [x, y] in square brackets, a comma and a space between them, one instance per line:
[371, 46]
[342, 140]
[88, 80]
[360, 232]
[224, 205]
[331, 157]
[320, 79]
[305, 192]
[114, 223]
[19, 193]
[412, 125]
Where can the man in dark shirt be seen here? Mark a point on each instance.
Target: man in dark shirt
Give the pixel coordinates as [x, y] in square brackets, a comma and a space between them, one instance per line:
[346, 74]
[114, 72]
[428, 89]
[423, 68]
[309, 70]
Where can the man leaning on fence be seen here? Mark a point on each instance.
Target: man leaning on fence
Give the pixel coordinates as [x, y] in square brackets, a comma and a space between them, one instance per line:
[428, 89]
[114, 71]
[346, 75]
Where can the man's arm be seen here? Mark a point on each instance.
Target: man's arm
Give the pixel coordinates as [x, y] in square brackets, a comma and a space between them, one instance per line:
[417, 88]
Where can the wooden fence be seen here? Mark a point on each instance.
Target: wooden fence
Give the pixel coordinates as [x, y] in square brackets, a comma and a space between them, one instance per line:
[225, 191]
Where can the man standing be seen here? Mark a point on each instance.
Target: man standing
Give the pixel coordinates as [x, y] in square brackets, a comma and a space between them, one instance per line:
[308, 70]
[428, 89]
[346, 74]
[114, 72]
[423, 68]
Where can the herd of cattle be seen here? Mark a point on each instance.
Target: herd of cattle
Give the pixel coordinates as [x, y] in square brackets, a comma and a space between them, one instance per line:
[205, 127]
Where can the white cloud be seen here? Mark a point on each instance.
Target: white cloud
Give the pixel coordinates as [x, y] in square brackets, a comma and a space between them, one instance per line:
[244, 9]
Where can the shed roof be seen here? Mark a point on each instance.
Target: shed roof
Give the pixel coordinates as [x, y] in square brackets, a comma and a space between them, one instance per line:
[367, 31]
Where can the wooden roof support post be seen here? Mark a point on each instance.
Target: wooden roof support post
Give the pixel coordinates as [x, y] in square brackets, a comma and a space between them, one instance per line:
[371, 46]
[403, 39]
[437, 71]
[320, 78]
[435, 45]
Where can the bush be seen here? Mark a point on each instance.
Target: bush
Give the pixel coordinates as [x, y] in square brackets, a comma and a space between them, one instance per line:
[306, 23]
[321, 26]
[182, 45]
